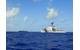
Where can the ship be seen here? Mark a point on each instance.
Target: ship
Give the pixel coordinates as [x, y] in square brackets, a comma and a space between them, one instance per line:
[52, 28]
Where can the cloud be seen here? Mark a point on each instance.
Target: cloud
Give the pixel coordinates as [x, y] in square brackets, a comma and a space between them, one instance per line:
[25, 18]
[62, 20]
[12, 12]
[51, 13]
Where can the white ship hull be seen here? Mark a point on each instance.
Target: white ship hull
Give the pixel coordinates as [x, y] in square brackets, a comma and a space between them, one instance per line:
[58, 31]
[55, 31]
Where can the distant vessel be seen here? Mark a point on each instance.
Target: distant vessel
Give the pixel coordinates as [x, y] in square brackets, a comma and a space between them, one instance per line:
[52, 28]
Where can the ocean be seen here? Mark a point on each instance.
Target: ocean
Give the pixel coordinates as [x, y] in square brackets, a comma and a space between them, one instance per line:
[39, 41]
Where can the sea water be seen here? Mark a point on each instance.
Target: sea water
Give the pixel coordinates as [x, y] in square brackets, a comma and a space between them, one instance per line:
[39, 41]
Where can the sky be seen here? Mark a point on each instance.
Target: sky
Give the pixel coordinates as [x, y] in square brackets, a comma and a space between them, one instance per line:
[33, 15]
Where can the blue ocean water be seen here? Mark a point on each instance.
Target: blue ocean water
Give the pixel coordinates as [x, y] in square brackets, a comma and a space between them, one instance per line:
[39, 41]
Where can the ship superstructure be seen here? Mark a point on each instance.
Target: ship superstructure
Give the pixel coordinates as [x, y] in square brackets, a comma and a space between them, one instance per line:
[52, 28]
